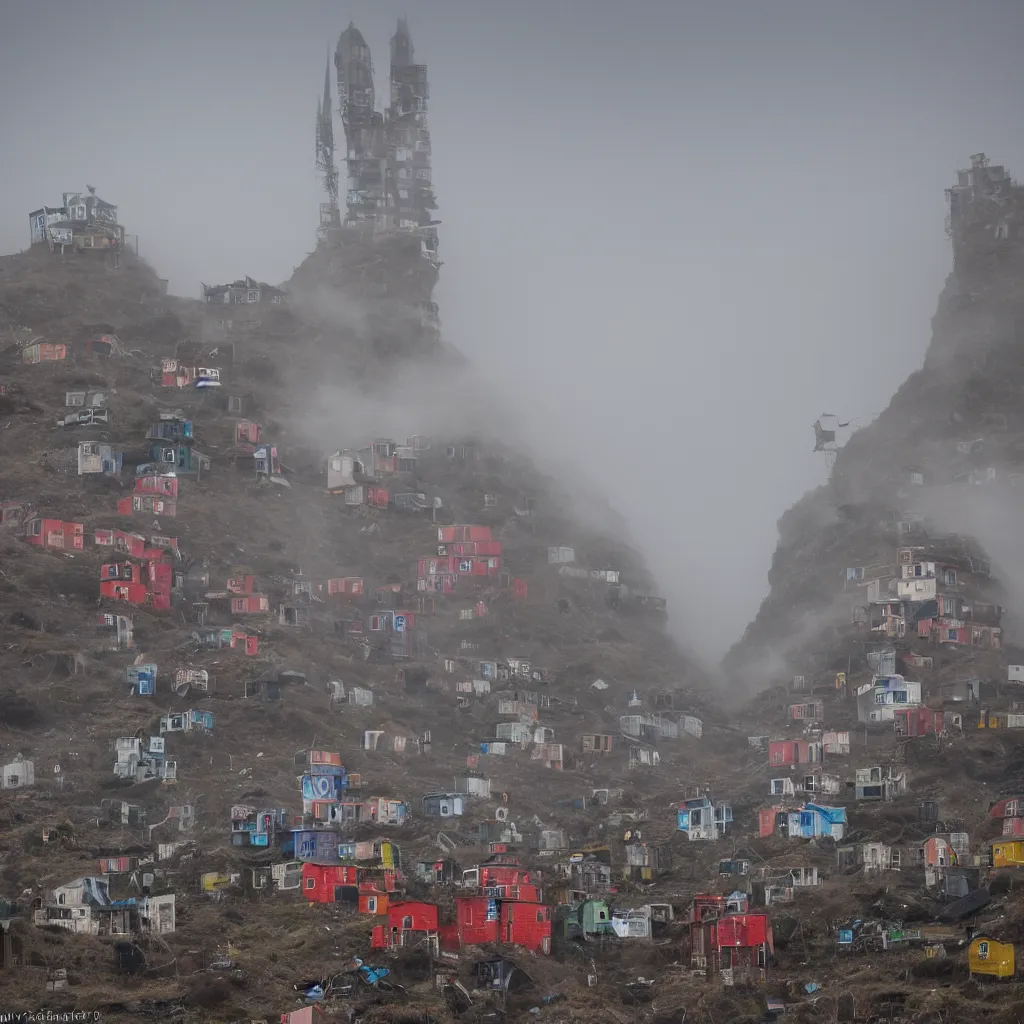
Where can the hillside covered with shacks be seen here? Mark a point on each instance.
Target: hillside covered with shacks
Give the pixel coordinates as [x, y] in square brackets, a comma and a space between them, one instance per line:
[322, 702]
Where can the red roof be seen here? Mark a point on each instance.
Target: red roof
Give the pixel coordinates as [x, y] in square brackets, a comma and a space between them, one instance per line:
[742, 930]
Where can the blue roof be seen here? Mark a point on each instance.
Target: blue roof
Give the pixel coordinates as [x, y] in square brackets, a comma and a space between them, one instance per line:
[836, 815]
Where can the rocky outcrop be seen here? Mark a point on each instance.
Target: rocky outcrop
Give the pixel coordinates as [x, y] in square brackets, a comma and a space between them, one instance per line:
[945, 459]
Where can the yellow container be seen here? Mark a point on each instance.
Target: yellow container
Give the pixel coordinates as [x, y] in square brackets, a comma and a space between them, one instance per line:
[1008, 854]
[990, 958]
[211, 881]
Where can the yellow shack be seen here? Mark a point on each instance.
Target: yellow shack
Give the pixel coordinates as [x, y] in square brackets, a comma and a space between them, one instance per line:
[990, 958]
[214, 881]
[1008, 854]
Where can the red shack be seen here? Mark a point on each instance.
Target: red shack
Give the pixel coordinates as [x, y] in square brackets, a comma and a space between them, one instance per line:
[160, 546]
[482, 919]
[122, 581]
[146, 503]
[787, 752]
[161, 582]
[502, 869]
[448, 534]
[128, 543]
[373, 900]
[352, 585]
[476, 923]
[738, 943]
[138, 584]
[165, 486]
[409, 921]
[1010, 807]
[55, 534]
[471, 547]
[246, 430]
[527, 925]
[330, 883]
[507, 909]
[766, 820]
[43, 352]
[461, 565]
[526, 892]
[174, 374]
[918, 721]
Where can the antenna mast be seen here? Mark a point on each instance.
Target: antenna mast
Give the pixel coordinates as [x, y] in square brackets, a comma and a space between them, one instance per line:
[329, 215]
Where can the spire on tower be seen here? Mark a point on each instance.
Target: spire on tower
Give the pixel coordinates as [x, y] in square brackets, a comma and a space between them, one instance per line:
[325, 151]
[401, 46]
[327, 87]
[388, 183]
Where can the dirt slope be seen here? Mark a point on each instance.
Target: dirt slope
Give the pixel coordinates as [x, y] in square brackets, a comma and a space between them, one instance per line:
[59, 712]
[357, 354]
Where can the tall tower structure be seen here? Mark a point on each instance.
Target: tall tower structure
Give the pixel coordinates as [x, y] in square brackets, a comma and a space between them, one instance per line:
[388, 186]
[364, 131]
[986, 211]
[410, 188]
[329, 212]
[401, 46]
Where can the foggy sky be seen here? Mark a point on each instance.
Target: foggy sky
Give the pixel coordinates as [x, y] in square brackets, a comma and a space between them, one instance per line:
[674, 233]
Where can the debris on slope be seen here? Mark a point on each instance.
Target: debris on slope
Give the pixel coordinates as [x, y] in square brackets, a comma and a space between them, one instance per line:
[251, 657]
[320, 703]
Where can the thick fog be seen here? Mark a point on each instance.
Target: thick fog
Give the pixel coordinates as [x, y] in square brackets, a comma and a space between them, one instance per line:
[674, 233]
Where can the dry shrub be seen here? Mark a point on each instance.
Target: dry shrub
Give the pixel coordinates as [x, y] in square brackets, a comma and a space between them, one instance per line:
[207, 992]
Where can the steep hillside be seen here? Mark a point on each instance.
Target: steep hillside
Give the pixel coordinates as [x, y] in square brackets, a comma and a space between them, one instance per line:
[323, 700]
[935, 476]
[283, 608]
